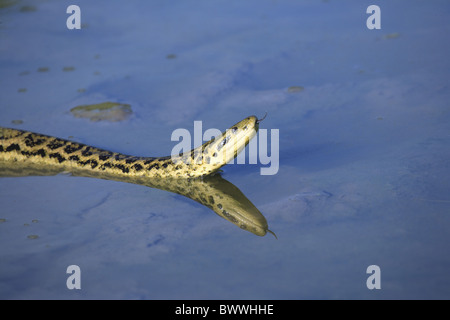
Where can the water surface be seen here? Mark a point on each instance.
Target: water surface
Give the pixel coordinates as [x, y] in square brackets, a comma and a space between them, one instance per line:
[364, 148]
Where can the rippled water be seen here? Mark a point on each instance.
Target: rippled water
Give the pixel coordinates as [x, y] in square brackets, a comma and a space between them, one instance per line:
[364, 147]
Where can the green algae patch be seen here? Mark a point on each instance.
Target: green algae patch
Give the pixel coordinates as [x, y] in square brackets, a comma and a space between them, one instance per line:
[394, 35]
[7, 3]
[295, 89]
[68, 69]
[106, 111]
[28, 8]
[43, 69]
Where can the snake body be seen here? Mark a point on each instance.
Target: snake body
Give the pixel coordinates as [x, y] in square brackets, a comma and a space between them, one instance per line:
[24, 146]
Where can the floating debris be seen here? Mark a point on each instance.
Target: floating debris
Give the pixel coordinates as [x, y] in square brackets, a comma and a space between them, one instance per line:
[295, 89]
[22, 90]
[43, 69]
[33, 236]
[68, 69]
[7, 3]
[2, 220]
[171, 56]
[106, 111]
[311, 194]
[18, 121]
[394, 35]
[28, 9]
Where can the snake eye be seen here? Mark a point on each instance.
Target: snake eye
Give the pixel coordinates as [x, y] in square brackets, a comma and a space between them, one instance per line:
[221, 144]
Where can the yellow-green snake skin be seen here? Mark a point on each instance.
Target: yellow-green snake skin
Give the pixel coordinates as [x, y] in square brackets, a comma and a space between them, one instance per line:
[24, 146]
[24, 153]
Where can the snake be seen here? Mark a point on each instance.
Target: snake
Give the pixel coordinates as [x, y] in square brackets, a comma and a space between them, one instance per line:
[192, 174]
[24, 146]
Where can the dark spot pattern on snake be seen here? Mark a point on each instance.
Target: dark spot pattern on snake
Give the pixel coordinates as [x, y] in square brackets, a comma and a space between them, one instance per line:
[18, 145]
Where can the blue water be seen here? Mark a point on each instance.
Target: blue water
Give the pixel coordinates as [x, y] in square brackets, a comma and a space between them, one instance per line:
[364, 148]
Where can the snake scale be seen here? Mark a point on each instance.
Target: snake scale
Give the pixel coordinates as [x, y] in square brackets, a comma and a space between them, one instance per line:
[191, 174]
